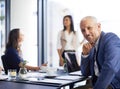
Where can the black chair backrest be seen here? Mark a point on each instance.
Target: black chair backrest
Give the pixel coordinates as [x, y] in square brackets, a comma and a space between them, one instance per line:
[4, 64]
[71, 62]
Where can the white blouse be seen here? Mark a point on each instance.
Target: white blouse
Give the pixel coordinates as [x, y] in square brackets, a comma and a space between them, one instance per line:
[68, 37]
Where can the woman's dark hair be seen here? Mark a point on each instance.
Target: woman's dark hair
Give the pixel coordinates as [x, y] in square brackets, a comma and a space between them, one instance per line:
[13, 39]
[71, 25]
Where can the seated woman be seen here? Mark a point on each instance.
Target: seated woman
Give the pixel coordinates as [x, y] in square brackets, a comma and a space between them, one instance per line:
[12, 55]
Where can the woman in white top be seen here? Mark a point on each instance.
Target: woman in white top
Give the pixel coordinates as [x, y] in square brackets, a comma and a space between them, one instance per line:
[67, 38]
[0, 69]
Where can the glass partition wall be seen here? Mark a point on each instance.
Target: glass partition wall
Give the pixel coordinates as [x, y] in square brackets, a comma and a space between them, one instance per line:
[24, 16]
[2, 28]
[20, 14]
[106, 12]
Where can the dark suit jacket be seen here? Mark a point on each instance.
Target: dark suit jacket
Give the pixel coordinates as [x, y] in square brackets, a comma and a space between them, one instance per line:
[108, 57]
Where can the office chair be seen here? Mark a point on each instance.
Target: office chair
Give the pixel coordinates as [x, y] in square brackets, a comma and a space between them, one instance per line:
[71, 62]
[4, 63]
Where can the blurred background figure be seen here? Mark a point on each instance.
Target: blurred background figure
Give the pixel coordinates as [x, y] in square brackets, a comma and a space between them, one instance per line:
[67, 40]
[0, 69]
[13, 53]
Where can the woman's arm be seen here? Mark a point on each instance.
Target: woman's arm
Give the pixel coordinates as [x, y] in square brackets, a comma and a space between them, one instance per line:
[32, 68]
[60, 57]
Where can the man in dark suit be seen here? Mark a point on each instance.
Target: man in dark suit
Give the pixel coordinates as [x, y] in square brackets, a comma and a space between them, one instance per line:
[100, 56]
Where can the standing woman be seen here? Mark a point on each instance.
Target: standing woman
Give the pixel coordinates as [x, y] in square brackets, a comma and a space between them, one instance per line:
[0, 69]
[67, 39]
[13, 52]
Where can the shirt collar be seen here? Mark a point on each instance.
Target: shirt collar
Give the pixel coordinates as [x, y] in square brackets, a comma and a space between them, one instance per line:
[97, 42]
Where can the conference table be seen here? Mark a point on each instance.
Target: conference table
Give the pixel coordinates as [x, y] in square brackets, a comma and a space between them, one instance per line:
[39, 80]
[15, 85]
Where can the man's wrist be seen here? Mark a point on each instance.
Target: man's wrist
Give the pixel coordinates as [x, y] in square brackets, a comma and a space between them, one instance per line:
[84, 56]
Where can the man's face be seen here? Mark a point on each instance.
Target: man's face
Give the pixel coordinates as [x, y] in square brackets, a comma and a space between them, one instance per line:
[90, 30]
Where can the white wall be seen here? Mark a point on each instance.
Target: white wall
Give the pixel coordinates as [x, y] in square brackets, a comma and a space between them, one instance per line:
[23, 15]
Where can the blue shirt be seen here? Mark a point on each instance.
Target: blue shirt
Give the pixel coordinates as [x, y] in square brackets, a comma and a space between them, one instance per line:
[12, 59]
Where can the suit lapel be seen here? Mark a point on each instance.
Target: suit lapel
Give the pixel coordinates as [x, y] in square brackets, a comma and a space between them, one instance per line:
[99, 49]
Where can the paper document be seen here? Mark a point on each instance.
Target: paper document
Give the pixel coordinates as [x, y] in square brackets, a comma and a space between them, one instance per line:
[76, 73]
[3, 77]
[35, 75]
[68, 77]
[55, 81]
[51, 81]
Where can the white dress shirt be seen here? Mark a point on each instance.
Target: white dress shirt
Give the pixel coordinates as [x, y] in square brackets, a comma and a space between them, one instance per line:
[95, 64]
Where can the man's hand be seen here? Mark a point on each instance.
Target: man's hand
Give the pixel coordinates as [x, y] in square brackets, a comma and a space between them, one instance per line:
[90, 88]
[86, 48]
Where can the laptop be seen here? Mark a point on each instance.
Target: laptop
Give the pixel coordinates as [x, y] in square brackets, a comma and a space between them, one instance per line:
[71, 62]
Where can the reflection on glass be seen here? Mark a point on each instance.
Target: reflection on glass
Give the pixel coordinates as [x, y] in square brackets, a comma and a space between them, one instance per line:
[2, 27]
[56, 9]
